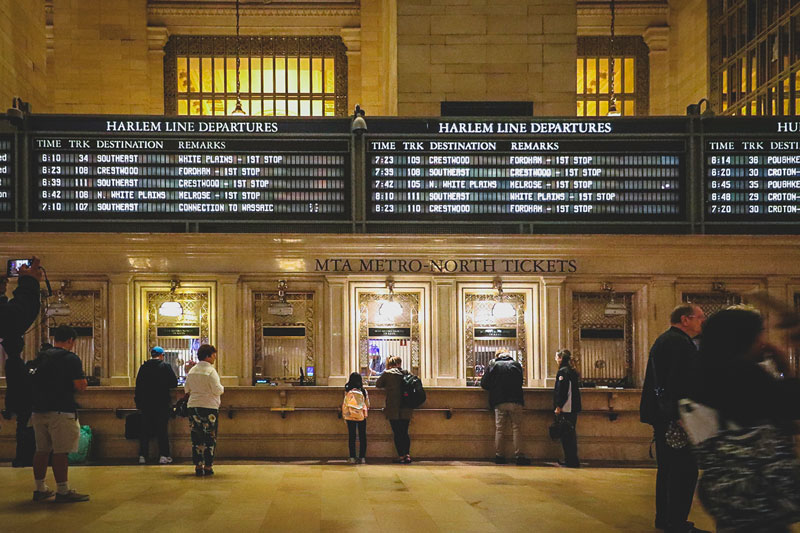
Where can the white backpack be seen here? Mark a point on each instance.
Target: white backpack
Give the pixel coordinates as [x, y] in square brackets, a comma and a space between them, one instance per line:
[354, 406]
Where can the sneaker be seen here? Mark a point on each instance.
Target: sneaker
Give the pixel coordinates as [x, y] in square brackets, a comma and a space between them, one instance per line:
[164, 460]
[142, 460]
[499, 460]
[208, 472]
[71, 497]
[352, 460]
[363, 460]
[523, 461]
[40, 495]
[406, 460]
[198, 471]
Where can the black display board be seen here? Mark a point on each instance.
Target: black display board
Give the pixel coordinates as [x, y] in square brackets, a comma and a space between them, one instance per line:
[189, 169]
[7, 151]
[523, 170]
[751, 169]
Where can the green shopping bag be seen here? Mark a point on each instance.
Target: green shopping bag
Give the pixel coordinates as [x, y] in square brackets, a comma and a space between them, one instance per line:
[84, 447]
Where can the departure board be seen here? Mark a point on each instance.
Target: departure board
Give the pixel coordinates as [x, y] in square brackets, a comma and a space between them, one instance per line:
[511, 170]
[173, 169]
[6, 176]
[751, 169]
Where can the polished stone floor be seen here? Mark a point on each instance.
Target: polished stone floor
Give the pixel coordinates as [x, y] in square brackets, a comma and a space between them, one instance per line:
[336, 496]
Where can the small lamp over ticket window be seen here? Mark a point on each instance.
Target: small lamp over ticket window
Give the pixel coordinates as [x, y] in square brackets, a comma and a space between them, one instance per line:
[171, 307]
[502, 309]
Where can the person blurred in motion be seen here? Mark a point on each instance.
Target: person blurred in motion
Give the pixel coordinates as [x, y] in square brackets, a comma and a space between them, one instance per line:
[204, 390]
[666, 381]
[732, 378]
[567, 403]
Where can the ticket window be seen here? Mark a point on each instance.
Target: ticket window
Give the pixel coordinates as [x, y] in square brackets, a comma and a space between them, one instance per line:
[178, 321]
[711, 302]
[389, 325]
[284, 338]
[603, 338]
[493, 322]
[84, 310]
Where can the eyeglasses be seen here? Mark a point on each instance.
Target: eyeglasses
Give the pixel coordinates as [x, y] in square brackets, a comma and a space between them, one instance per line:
[696, 316]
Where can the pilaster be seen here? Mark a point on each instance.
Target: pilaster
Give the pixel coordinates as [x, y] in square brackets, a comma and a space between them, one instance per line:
[657, 40]
[552, 326]
[121, 359]
[352, 41]
[156, 41]
[232, 364]
[337, 360]
[445, 352]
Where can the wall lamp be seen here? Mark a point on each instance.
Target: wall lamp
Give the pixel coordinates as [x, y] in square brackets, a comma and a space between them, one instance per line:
[358, 124]
[390, 309]
[613, 308]
[171, 307]
[694, 110]
[501, 309]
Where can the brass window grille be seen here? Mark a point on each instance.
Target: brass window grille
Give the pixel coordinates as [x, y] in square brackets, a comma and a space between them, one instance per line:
[280, 76]
[631, 76]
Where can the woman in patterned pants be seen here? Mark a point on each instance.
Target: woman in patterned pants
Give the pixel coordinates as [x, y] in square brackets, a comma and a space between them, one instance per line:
[204, 390]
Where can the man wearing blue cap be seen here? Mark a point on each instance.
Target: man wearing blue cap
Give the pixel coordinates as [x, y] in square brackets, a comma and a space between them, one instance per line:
[153, 399]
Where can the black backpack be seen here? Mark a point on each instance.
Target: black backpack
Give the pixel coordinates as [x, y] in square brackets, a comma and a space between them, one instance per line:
[44, 373]
[413, 393]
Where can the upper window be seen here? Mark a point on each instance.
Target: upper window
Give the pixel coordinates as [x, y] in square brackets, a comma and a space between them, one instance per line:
[755, 57]
[278, 76]
[631, 75]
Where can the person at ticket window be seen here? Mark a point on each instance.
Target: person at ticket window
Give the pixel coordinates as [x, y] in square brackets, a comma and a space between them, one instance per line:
[376, 365]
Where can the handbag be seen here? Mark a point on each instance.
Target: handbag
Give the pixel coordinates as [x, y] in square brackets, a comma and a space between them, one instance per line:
[181, 407]
[133, 426]
[559, 427]
[674, 436]
[751, 476]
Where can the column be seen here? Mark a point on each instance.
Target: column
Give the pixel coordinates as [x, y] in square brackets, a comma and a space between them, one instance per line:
[777, 290]
[657, 39]
[352, 41]
[552, 329]
[337, 361]
[122, 360]
[447, 364]
[156, 40]
[235, 359]
[663, 299]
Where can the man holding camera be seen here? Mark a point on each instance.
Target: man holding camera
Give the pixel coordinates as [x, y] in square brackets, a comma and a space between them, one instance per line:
[16, 316]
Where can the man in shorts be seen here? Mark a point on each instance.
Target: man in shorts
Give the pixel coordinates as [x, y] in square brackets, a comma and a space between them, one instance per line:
[56, 375]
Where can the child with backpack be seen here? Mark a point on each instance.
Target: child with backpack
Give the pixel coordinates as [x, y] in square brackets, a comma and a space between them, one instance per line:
[355, 409]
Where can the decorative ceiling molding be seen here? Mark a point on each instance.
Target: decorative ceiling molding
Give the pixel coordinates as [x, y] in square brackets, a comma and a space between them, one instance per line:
[633, 9]
[266, 11]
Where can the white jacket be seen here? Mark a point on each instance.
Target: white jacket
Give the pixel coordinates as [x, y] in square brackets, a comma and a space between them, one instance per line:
[203, 386]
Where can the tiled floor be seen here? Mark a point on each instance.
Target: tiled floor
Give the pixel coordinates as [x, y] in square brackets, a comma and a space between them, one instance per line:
[299, 496]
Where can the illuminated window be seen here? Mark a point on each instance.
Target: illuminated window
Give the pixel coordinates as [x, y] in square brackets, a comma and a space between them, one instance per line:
[278, 76]
[631, 76]
[755, 57]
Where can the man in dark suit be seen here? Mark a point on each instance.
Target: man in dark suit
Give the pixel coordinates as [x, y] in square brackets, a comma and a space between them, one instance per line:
[666, 382]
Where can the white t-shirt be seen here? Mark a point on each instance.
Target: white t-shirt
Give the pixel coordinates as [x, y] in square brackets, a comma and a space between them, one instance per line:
[203, 386]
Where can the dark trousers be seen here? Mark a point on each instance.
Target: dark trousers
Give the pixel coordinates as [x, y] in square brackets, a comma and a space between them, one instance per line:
[675, 482]
[569, 441]
[362, 437]
[26, 442]
[203, 424]
[402, 442]
[154, 424]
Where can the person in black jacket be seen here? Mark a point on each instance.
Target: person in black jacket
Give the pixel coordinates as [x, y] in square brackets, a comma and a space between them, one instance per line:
[667, 381]
[503, 380]
[16, 316]
[749, 382]
[152, 397]
[567, 403]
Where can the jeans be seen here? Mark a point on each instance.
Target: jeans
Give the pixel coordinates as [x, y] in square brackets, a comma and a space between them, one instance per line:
[675, 481]
[362, 437]
[203, 424]
[402, 442]
[503, 412]
[154, 424]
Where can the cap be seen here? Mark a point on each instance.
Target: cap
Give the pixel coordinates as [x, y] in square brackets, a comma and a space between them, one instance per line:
[156, 351]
